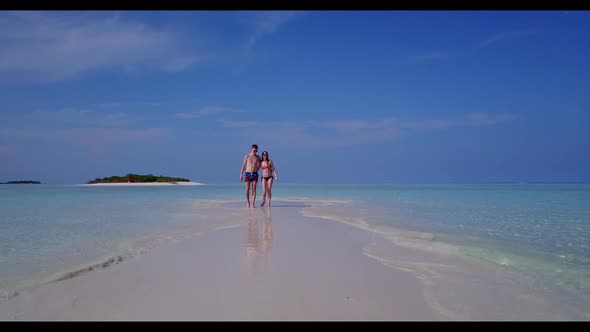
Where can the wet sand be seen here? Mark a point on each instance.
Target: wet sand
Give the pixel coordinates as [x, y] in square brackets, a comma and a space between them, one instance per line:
[281, 265]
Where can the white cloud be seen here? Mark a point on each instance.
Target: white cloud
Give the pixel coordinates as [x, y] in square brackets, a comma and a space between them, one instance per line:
[119, 104]
[348, 124]
[347, 132]
[433, 55]
[429, 124]
[208, 110]
[268, 22]
[95, 143]
[68, 115]
[76, 116]
[471, 119]
[45, 47]
[5, 149]
[71, 113]
[239, 124]
[113, 119]
[430, 56]
[479, 118]
[114, 104]
[358, 124]
[505, 35]
[87, 136]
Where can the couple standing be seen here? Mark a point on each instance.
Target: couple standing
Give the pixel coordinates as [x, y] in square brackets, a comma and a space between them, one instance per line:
[251, 165]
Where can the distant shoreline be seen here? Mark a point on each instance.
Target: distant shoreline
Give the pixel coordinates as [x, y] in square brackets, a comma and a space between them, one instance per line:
[135, 184]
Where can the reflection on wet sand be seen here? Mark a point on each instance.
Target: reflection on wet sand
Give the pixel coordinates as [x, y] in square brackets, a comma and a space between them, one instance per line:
[258, 245]
[267, 232]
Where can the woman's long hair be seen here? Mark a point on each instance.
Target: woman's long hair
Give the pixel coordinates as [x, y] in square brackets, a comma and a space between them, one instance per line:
[267, 156]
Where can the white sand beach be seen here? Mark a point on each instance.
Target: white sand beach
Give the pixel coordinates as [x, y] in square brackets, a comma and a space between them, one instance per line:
[281, 265]
[133, 184]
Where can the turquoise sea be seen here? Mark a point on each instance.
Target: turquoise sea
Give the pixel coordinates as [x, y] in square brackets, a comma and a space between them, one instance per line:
[539, 231]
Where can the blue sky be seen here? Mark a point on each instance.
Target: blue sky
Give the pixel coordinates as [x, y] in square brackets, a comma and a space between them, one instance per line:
[335, 97]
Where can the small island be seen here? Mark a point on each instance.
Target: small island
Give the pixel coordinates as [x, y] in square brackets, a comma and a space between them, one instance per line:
[138, 178]
[21, 182]
[141, 180]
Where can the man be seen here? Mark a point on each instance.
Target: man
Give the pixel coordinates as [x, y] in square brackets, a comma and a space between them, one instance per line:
[251, 165]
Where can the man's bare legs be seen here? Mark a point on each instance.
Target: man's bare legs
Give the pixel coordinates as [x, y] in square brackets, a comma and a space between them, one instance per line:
[251, 185]
[254, 183]
[248, 192]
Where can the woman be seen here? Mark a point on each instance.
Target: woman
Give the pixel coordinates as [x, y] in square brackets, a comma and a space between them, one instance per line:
[268, 169]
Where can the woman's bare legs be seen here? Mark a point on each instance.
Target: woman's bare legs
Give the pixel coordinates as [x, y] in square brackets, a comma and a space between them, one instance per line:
[263, 191]
[269, 189]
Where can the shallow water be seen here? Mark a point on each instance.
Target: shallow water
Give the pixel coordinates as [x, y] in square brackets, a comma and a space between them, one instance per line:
[541, 231]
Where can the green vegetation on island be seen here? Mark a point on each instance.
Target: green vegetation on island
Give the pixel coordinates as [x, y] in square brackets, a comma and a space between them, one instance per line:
[21, 182]
[137, 178]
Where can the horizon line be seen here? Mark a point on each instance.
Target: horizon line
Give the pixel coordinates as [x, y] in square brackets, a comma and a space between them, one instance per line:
[365, 184]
